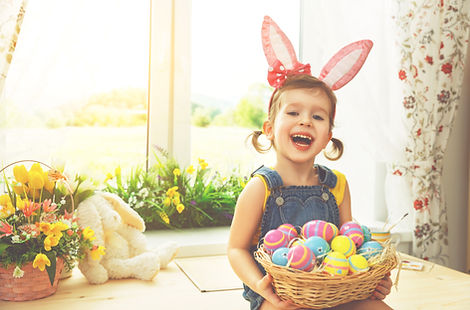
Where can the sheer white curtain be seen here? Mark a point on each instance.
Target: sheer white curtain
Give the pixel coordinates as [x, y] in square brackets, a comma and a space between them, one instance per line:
[368, 120]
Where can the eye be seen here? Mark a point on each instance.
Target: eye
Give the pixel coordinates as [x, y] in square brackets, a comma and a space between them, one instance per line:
[292, 113]
[318, 117]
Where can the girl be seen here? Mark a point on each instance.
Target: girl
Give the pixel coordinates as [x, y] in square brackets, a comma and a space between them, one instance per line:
[295, 190]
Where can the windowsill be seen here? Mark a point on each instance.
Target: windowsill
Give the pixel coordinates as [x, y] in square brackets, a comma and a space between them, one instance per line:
[213, 240]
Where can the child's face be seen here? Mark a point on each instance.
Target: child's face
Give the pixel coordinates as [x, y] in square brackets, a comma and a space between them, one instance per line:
[301, 128]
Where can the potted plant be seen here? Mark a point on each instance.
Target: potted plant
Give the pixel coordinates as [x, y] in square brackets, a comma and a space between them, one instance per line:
[39, 234]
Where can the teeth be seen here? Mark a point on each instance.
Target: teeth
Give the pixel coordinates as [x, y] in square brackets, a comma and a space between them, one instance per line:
[302, 136]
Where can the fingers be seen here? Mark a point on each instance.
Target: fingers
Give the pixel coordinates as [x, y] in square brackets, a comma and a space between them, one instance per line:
[265, 284]
[382, 289]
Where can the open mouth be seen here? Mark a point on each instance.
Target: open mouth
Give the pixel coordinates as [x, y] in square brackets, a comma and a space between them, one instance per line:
[302, 140]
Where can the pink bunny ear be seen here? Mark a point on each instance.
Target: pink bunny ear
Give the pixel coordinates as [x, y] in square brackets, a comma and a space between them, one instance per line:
[345, 64]
[280, 54]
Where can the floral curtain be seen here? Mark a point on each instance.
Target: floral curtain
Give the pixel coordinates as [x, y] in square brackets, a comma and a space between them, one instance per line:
[433, 37]
[11, 17]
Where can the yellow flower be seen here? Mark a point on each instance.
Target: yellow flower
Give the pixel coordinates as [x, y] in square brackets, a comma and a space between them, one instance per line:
[171, 191]
[46, 228]
[58, 227]
[176, 200]
[97, 252]
[36, 167]
[109, 176]
[190, 169]
[117, 171]
[167, 202]
[6, 207]
[20, 203]
[36, 180]
[203, 164]
[177, 172]
[40, 261]
[88, 234]
[19, 188]
[5, 200]
[21, 174]
[180, 208]
[48, 183]
[51, 241]
[165, 217]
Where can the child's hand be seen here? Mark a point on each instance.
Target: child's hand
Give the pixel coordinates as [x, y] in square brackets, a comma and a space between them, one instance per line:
[272, 301]
[383, 288]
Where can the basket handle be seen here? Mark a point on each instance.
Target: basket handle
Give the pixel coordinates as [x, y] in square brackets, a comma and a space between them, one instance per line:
[61, 177]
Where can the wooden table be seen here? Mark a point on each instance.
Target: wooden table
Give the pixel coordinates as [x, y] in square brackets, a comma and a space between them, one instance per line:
[435, 287]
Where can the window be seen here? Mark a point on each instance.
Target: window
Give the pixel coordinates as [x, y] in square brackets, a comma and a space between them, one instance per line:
[77, 86]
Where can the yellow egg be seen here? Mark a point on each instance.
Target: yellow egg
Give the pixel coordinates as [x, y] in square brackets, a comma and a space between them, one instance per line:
[357, 263]
[343, 244]
[335, 263]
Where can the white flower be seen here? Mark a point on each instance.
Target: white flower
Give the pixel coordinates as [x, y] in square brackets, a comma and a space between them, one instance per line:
[139, 205]
[62, 201]
[15, 239]
[18, 273]
[132, 200]
[144, 192]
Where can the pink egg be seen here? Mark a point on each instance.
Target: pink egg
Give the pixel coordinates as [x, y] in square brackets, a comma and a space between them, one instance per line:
[319, 228]
[301, 257]
[354, 231]
[289, 230]
[274, 239]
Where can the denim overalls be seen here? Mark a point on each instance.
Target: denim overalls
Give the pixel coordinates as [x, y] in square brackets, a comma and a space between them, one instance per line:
[295, 205]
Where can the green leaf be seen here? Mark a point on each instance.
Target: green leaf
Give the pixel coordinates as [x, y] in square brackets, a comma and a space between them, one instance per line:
[3, 247]
[52, 268]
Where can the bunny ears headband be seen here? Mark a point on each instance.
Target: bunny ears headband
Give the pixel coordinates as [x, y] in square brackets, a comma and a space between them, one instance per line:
[280, 54]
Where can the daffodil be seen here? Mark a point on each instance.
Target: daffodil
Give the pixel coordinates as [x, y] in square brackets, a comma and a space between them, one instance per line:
[97, 251]
[46, 228]
[167, 202]
[171, 191]
[109, 176]
[190, 169]
[176, 172]
[88, 234]
[203, 164]
[21, 174]
[176, 200]
[180, 208]
[6, 207]
[41, 261]
[51, 241]
[20, 203]
[48, 182]
[58, 227]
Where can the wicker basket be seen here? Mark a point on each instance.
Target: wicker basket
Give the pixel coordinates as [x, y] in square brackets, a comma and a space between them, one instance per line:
[317, 290]
[34, 284]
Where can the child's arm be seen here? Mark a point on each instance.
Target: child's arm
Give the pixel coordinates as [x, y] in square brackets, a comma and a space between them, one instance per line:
[246, 220]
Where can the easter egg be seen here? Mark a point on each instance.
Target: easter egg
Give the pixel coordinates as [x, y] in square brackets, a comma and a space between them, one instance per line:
[289, 230]
[366, 233]
[318, 245]
[335, 263]
[343, 244]
[296, 241]
[370, 249]
[319, 228]
[354, 231]
[357, 263]
[301, 258]
[274, 239]
[280, 257]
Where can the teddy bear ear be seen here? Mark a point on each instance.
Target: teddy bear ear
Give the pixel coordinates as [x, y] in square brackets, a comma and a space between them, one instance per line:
[128, 215]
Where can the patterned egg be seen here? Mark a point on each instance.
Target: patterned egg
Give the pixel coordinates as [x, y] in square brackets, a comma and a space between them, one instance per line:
[343, 244]
[336, 263]
[280, 257]
[301, 258]
[274, 239]
[366, 233]
[296, 241]
[357, 263]
[335, 231]
[289, 230]
[370, 249]
[319, 228]
[318, 245]
[354, 231]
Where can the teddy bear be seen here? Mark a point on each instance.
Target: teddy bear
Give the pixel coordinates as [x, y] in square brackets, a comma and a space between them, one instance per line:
[119, 229]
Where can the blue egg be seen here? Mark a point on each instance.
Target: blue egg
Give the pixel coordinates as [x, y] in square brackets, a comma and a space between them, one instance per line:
[318, 245]
[366, 232]
[280, 257]
[370, 249]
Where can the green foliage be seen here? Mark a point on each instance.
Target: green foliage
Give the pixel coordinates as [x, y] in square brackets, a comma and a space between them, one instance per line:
[201, 118]
[168, 196]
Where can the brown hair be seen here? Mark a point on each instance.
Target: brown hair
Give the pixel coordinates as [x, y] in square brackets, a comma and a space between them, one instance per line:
[300, 81]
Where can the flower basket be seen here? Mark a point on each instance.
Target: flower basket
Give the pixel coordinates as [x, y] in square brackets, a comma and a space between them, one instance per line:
[39, 234]
[317, 290]
[34, 284]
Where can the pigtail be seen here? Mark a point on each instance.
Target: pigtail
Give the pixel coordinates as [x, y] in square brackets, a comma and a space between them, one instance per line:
[337, 150]
[256, 144]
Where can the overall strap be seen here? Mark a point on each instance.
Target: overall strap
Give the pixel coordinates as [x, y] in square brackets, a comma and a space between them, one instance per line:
[326, 176]
[273, 179]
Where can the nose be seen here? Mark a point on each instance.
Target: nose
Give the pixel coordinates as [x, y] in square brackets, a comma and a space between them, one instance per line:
[306, 121]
